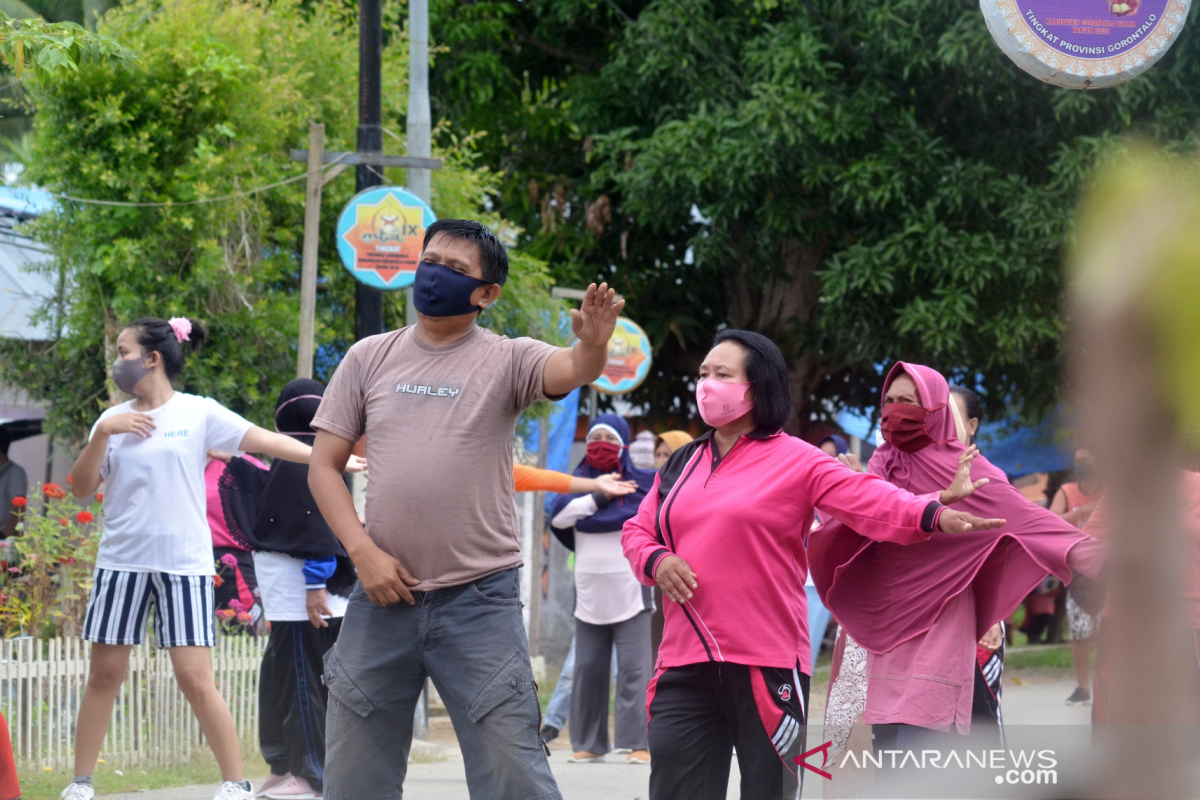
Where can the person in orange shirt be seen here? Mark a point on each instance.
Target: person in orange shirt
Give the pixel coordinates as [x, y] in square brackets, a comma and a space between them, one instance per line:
[1075, 502]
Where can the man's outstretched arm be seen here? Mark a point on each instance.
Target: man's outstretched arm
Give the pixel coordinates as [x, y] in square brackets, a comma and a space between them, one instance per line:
[593, 325]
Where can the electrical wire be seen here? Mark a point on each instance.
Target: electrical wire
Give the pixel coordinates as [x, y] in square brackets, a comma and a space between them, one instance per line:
[222, 198]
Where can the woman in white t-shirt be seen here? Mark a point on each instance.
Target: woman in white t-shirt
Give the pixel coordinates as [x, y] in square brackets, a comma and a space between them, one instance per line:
[156, 548]
[611, 606]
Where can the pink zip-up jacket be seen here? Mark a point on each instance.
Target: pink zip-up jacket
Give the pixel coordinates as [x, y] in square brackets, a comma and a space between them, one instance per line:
[741, 523]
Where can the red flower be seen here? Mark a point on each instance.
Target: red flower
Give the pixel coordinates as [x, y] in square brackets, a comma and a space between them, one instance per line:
[244, 618]
[20, 502]
[68, 479]
[85, 517]
[54, 491]
[217, 581]
[226, 613]
[64, 522]
[99, 497]
[63, 560]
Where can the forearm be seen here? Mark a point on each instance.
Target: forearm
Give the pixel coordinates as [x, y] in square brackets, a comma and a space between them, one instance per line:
[873, 507]
[276, 445]
[85, 474]
[337, 507]
[639, 541]
[572, 367]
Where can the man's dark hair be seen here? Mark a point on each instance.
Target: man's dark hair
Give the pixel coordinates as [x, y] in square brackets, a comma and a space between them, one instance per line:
[766, 370]
[971, 400]
[5, 441]
[493, 258]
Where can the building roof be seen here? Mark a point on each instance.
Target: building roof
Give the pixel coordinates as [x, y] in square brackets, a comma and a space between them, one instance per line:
[22, 291]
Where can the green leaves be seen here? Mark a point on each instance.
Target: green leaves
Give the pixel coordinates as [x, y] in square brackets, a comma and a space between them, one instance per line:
[51, 48]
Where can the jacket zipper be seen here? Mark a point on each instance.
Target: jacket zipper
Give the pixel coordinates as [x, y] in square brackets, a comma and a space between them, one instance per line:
[713, 444]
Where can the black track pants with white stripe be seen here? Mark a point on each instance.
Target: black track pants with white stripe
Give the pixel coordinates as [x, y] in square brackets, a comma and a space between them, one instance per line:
[700, 712]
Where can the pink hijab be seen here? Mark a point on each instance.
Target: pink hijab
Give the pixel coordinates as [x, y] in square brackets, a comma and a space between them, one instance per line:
[885, 594]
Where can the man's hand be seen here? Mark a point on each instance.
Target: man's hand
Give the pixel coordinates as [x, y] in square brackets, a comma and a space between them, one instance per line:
[317, 602]
[613, 486]
[596, 318]
[675, 578]
[952, 521]
[385, 579]
[134, 422]
[962, 486]
[571, 367]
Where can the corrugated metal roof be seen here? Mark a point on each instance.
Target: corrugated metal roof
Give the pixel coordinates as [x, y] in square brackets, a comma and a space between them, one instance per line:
[22, 292]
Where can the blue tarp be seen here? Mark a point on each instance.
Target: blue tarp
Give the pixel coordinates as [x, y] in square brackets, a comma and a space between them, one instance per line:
[562, 435]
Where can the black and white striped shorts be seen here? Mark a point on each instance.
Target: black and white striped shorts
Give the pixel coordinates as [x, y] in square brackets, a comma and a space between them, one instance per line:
[183, 608]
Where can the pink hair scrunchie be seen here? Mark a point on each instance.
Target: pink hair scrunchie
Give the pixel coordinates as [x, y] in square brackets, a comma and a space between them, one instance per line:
[182, 327]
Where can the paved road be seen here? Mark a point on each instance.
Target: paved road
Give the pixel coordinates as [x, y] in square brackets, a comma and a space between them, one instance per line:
[1033, 701]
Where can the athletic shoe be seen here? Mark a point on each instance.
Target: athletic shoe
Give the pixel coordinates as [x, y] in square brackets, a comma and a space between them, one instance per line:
[622, 751]
[549, 733]
[1080, 697]
[270, 783]
[584, 757]
[294, 788]
[78, 791]
[639, 757]
[232, 790]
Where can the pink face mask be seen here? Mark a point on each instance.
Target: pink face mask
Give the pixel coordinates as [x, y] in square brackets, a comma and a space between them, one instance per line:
[722, 403]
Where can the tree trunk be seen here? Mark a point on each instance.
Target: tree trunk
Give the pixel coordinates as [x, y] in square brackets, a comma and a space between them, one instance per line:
[781, 306]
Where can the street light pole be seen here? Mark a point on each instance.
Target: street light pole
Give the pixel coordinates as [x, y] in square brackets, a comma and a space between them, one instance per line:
[420, 122]
[368, 301]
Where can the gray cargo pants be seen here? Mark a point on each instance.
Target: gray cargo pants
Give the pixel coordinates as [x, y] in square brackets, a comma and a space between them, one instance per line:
[471, 642]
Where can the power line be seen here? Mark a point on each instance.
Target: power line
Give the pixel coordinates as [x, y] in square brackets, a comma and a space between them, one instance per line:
[222, 198]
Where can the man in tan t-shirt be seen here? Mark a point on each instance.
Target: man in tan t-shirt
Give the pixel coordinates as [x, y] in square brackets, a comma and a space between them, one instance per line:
[437, 561]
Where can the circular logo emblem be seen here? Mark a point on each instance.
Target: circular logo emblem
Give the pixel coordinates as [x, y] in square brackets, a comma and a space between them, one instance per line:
[785, 693]
[1085, 44]
[629, 358]
[380, 234]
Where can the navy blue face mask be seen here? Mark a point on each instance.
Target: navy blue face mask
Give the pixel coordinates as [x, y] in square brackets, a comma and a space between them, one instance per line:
[439, 291]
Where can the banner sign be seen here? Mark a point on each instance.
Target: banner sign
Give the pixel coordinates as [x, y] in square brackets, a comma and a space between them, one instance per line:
[379, 236]
[1085, 44]
[629, 358]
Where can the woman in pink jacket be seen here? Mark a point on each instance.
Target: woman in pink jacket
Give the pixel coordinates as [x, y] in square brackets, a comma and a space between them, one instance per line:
[722, 532]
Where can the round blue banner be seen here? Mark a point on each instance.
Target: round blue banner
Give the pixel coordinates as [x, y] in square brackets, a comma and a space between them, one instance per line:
[380, 234]
[629, 359]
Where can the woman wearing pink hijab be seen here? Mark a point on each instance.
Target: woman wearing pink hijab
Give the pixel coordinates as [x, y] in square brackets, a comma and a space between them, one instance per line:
[913, 614]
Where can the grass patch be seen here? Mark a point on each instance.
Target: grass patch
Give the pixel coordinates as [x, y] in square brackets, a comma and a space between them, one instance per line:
[39, 784]
[1045, 656]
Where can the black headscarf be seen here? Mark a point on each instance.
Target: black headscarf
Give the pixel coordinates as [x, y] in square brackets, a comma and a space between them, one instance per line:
[274, 511]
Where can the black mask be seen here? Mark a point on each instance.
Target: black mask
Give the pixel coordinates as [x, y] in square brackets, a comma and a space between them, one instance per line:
[439, 291]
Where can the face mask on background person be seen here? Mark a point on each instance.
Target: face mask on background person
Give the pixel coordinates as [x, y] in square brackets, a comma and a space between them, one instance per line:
[439, 291]
[604, 456]
[126, 373]
[903, 426]
[721, 403]
[1084, 471]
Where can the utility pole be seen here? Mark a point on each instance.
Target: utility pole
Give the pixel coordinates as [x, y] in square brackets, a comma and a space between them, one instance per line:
[368, 301]
[420, 122]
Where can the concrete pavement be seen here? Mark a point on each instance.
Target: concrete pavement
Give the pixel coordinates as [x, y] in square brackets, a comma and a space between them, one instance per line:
[1028, 700]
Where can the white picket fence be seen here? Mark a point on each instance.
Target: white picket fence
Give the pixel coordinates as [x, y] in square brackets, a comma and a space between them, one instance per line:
[42, 682]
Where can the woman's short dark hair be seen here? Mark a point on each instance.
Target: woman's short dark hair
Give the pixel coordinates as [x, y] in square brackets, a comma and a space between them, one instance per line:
[971, 401]
[766, 370]
[157, 336]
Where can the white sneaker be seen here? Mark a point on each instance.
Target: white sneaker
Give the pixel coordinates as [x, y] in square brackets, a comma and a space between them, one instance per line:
[234, 791]
[78, 791]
